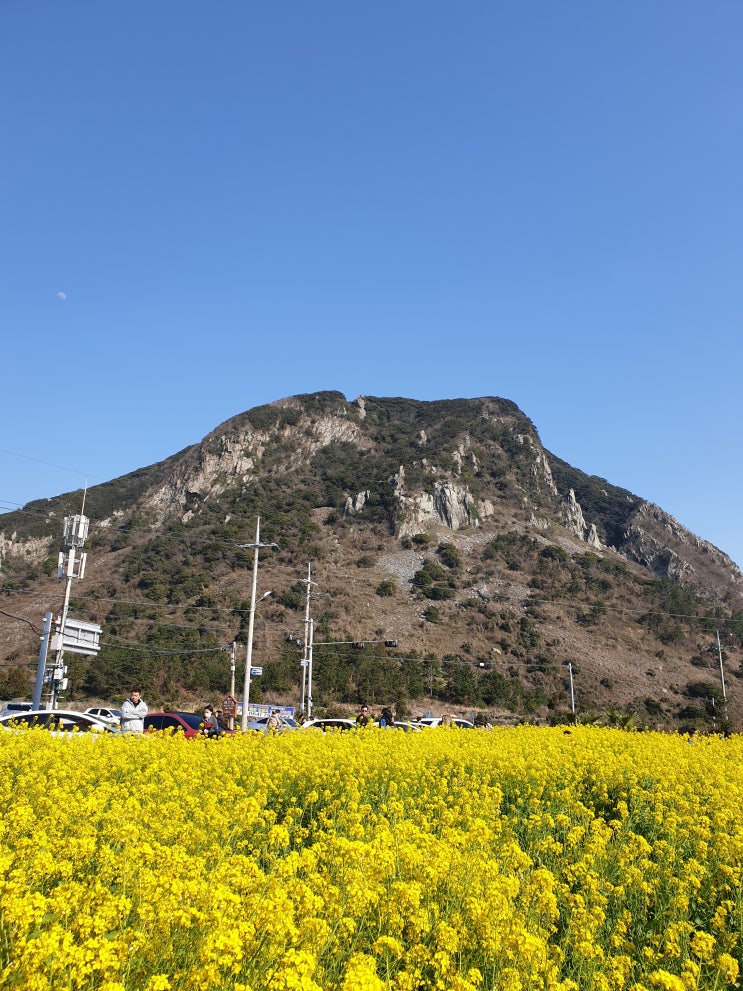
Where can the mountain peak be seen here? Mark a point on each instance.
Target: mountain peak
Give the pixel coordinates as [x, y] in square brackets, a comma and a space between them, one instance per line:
[444, 524]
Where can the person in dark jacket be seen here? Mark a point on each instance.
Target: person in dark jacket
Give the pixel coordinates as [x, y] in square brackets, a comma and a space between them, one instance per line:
[363, 718]
[210, 725]
[386, 718]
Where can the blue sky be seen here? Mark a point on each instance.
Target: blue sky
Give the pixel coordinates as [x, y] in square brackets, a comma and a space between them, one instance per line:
[210, 206]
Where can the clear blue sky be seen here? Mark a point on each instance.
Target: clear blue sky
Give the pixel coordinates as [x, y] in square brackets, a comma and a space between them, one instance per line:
[210, 206]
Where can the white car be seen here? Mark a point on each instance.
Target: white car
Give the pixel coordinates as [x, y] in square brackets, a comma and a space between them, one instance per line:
[106, 715]
[439, 721]
[57, 721]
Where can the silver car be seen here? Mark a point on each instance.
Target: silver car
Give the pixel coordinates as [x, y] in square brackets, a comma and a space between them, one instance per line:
[9, 707]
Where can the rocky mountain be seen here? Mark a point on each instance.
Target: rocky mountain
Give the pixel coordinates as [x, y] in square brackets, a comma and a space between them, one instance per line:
[455, 564]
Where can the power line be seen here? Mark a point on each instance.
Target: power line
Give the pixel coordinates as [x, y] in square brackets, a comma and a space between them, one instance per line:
[48, 464]
[21, 619]
[141, 647]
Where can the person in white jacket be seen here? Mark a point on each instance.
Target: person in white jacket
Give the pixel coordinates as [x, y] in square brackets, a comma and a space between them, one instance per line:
[133, 712]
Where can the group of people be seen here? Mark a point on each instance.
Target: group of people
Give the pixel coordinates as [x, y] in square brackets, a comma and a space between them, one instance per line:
[364, 718]
[134, 709]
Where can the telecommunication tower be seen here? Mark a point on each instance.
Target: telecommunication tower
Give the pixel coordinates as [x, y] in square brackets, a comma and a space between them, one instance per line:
[71, 635]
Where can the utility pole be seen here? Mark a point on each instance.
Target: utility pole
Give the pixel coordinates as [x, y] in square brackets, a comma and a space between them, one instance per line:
[71, 565]
[71, 634]
[249, 652]
[722, 679]
[41, 666]
[309, 670]
[572, 692]
[305, 699]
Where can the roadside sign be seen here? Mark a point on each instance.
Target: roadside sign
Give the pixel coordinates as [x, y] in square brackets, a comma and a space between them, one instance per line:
[78, 637]
[255, 671]
[257, 710]
[304, 664]
[229, 707]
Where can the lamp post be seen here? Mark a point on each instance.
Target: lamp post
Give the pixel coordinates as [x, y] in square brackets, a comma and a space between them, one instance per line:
[256, 545]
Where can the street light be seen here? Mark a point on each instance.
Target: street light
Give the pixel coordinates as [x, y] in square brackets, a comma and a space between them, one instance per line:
[256, 545]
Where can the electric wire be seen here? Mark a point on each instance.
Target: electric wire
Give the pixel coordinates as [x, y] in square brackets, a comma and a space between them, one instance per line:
[21, 619]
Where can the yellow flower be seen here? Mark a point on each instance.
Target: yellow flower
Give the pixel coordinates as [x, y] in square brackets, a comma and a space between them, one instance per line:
[667, 981]
[388, 944]
[728, 967]
[158, 982]
[361, 975]
[703, 945]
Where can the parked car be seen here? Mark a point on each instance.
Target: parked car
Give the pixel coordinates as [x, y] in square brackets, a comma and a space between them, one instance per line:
[111, 716]
[405, 726]
[55, 720]
[9, 707]
[259, 725]
[442, 720]
[188, 723]
[330, 725]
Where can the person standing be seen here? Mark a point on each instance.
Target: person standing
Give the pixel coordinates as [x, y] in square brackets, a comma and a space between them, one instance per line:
[133, 712]
[273, 723]
[210, 726]
[363, 718]
[386, 718]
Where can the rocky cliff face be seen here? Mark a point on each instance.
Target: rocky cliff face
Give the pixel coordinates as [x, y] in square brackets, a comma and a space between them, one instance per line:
[234, 454]
[572, 516]
[659, 543]
[32, 550]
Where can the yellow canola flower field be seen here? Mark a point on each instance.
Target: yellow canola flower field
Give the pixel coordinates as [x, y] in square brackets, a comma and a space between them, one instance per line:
[515, 859]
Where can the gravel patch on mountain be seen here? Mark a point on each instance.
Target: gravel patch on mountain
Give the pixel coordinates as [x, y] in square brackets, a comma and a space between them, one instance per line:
[402, 565]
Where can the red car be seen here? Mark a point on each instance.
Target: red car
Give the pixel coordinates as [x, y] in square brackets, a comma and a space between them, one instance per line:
[188, 723]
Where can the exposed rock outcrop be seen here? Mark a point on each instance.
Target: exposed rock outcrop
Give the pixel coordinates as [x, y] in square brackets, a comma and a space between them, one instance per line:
[449, 504]
[658, 542]
[542, 473]
[572, 517]
[32, 550]
[224, 458]
[354, 506]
